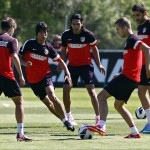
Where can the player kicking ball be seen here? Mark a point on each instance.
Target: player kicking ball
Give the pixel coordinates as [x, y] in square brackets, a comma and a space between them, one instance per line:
[123, 85]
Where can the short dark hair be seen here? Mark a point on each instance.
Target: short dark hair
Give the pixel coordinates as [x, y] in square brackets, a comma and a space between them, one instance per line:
[139, 7]
[122, 22]
[41, 26]
[7, 23]
[76, 16]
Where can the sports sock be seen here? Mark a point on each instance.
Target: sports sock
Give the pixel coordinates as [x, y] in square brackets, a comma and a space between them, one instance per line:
[134, 130]
[68, 114]
[20, 128]
[147, 111]
[98, 117]
[102, 123]
[63, 120]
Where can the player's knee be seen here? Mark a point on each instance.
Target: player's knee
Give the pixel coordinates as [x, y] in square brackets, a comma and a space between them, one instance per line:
[101, 96]
[66, 89]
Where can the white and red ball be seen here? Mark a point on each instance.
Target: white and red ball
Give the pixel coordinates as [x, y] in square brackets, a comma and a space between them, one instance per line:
[84, 133]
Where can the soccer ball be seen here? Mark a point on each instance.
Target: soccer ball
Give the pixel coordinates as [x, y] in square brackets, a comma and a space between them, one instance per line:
[84, 133]
[140, 113]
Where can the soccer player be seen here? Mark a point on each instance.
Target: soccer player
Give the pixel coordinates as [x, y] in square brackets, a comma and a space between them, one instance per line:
[34, 56]
[76, 44]
[122, 86]
[8, 84]
[140, 15]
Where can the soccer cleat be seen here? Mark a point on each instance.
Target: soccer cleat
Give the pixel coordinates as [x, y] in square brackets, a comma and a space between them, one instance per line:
[146, 129]
[97, 120]
[72, 121]
[132, 136]
[98, 129]
[69, 126]
[23, 137]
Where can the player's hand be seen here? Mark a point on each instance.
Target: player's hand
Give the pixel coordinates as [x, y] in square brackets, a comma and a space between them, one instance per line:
[102, 69]
[28, 64]
[59, 69]
[68, 78]
[22, 80]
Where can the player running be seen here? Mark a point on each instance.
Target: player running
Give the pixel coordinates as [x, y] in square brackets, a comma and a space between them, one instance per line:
[34, 56]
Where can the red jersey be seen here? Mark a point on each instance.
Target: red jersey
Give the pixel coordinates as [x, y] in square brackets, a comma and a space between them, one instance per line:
[132, 58]
[8, 46]
[38, 55]
[144, 35]
[78, 46]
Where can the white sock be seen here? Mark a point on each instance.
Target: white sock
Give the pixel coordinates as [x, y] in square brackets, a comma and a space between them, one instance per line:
[147, 111]
[102, 123]
[68, 114]
[65, 119]
[98, 117]
[134, 130]
[20, 128]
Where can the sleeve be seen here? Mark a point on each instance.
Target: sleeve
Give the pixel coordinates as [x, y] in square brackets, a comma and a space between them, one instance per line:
[13, 46]
[135, 43]
[53, 54]
[63, 40]
[92, 40]
[24, 48]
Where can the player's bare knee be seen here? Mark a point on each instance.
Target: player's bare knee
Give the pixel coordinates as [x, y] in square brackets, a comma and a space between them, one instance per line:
[101, 96]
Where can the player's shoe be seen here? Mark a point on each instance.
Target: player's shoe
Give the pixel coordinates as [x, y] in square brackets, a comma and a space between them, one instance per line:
[72, 121]
[23, 137]
[97, 120]
[98, 129]
[132, 136]
[146, 129]
[69, 126]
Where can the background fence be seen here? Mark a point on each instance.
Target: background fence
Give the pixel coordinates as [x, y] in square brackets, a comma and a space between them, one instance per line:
[112, 60]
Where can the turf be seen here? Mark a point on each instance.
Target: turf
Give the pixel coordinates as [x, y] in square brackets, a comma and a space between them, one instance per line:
[48, 132]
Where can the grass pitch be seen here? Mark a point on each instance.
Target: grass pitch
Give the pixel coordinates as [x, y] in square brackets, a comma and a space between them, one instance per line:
[48, 132]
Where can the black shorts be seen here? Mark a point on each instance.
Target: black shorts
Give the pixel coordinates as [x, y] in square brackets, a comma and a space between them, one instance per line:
[121, 87]
[39, 88]
[9, 87]
[85, 72]
[144, 79]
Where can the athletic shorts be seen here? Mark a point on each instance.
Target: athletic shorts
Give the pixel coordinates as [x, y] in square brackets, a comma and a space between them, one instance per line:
[9, 87]
[39, 88]
[121, 87]
[85, 72]
[144, 79]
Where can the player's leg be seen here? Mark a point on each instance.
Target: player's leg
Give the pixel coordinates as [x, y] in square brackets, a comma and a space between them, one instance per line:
[87, 75]
[66, 93]
[126, 115]
[12, 90]
[51, 107]
[58, 107]
[143, 93]
[103, 107]
[92, 93]
[66, 97]
[19, 113]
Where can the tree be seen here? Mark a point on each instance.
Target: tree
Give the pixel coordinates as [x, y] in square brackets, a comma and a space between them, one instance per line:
[99, 16]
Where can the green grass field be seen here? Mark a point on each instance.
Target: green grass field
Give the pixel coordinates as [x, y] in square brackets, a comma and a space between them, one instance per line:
[48, 132]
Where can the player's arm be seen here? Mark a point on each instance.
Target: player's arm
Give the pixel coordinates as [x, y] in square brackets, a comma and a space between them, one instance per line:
[23, 62]
[97, 59]
[17, 64]
[63, 56]
[146, 49]
[64, 67]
